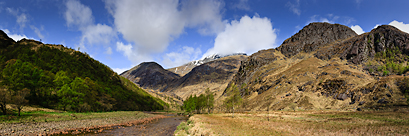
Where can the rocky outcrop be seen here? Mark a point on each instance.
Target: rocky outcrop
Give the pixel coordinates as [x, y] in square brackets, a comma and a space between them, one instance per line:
[251, 65]
[5, 40]
[150, 75]
[313, 36]
[361, 48]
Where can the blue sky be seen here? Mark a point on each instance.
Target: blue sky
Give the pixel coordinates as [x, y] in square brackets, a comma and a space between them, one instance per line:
[124, 33]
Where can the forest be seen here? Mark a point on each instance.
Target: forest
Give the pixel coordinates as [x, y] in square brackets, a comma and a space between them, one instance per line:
[56, 77]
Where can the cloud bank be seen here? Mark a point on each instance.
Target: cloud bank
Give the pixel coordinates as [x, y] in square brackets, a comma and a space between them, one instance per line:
[400, 25]
[79, 17]
[149, 26]
[357, 29]
[247, 35]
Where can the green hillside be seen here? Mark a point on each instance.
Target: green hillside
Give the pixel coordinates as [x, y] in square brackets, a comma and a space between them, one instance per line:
[57, 77]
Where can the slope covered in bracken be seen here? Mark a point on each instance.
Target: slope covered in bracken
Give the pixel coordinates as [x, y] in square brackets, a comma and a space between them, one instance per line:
[328, 66]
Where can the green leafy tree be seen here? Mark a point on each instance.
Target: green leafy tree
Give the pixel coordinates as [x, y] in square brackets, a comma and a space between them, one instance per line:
[209, 100]
[234, 100]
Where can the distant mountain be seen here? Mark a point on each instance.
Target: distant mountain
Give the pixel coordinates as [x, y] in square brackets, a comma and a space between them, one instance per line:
[63, 78]
[210, 72]
[186, 68]
[150, 75]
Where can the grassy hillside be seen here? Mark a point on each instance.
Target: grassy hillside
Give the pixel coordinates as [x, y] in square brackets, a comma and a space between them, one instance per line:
[62, 78]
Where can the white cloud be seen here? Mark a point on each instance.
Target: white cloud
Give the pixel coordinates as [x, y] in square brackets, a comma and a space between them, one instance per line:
[80, 17]
[108, 51]
[357, 29]
[247, 35]
[400, 25]
[120, 70]
[331, 18]
[151, 25]
[97, 34]
[204, 14]
[128, 52]
[78, 14]
[21, 18]
[294, 7]
[182, 56]
[15, 37]
[242, 4]
[38, 31]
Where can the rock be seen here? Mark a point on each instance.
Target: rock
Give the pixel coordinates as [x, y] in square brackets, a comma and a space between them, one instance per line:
[289, 94]
[342, 97]
[382, 101]
[359, 109]
[313, 36]
[361, 102]
[375, 98]
[324, 73]
[388, 95]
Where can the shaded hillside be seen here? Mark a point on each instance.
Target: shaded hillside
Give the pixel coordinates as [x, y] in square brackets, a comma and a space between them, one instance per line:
[269, 79]
[150, 75]
[62, 78]
[214, 75]
[313, 36]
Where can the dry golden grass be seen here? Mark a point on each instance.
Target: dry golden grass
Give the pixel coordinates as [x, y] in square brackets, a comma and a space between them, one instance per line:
[303, 123]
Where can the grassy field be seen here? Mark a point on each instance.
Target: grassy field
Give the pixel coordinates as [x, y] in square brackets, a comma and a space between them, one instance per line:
[31, 114]
[299, 123]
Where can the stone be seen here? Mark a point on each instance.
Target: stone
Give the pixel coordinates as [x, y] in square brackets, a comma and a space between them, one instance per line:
[359, 109]
[388, 95]
[361, 102]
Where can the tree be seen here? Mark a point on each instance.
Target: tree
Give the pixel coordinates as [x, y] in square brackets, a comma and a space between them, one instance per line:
[19, 99]
[4, 99]
[61, 79]
[209, 100]
[234, 100]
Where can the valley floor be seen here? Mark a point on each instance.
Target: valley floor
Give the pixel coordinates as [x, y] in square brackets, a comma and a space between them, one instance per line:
[40, 122]
[298, 123]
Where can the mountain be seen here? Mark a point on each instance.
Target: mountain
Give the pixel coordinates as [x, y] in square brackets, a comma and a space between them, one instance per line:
[314, 36]
[213, 72]
[186, 68]
[214, 75]
[150, 75]
[62, 78]
[328, 66]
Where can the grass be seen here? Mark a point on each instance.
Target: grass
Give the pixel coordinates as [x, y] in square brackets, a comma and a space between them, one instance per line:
[43, 116]
[306, 123]
[183, 128]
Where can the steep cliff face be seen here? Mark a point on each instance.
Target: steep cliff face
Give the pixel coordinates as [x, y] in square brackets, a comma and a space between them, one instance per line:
[313, 36]
[364, 47]
[150, 75]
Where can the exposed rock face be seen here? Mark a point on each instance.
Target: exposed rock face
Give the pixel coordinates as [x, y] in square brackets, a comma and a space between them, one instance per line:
[150, 75]
[313, 36]
[251, 65]
[361, 48]
[5, 40]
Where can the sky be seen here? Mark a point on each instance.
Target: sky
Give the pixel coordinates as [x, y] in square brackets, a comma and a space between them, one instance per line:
[124, 33]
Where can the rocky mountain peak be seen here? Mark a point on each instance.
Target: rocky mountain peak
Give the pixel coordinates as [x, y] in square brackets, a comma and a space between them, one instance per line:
[5, 40]
[314, 35]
